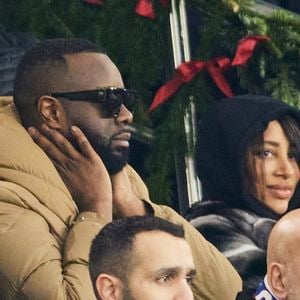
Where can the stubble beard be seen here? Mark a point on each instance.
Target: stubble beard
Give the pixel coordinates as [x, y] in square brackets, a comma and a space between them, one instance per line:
[113, 159]
[114, 162]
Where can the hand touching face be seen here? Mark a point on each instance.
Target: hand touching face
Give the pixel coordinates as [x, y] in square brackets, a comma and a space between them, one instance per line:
[82, 170]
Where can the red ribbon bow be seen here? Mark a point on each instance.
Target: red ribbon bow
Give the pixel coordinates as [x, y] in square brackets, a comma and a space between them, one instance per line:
[186, 71]
[145, 8]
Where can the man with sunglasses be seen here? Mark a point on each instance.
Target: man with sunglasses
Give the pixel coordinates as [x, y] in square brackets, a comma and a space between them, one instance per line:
[71, 98]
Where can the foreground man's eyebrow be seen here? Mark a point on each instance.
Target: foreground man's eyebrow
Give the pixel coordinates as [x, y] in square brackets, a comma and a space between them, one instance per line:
[175, 270]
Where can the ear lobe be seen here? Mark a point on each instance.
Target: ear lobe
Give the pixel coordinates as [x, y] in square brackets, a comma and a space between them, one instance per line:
[109, 287]
[277, 280]
[51, 111]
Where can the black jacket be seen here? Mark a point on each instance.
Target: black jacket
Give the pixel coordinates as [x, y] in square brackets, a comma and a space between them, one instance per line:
[228, 216]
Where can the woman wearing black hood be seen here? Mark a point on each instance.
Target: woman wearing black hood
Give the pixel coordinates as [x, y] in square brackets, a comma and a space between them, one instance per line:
[247, 160]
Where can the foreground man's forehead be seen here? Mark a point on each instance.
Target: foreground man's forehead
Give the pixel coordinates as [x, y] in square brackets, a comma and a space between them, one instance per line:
[88, 70]
[162, 250]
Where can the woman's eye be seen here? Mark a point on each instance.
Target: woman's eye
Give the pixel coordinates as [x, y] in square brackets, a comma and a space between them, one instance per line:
[265, 153]
[293, 155]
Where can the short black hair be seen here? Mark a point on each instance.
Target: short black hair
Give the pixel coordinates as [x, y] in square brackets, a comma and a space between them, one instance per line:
[111, 250]
[41, 63]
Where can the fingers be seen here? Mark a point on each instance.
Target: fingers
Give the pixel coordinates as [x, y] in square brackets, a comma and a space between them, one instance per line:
[58, 147]
[82, 170]
[48, 146]
[61, 142]
[84, 145]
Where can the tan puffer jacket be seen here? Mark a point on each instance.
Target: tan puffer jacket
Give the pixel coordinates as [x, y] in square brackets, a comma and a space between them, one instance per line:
[44, 241]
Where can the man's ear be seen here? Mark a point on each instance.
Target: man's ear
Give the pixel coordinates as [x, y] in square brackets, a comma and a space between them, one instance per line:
[109, 287]
[277, 280]
[51, 111]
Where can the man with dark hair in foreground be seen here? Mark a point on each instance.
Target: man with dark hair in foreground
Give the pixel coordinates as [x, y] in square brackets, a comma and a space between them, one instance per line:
[72, 98]
[141, 257]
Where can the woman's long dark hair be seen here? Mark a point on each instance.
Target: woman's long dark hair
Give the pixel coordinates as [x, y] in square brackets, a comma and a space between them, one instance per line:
[255, 145]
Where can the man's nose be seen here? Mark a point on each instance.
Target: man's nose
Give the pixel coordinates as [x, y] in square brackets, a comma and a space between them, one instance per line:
[124, 115]
[184, 292]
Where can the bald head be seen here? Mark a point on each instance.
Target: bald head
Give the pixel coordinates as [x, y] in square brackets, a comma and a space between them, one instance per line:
[284, 237]
[283, 257]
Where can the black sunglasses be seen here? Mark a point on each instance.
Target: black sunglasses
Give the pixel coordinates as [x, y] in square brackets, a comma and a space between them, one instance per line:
[111, 99]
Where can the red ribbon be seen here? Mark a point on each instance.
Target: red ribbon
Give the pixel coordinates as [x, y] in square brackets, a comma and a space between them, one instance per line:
[186, 71]
[94, 2]
[145, 8]
[246, 47]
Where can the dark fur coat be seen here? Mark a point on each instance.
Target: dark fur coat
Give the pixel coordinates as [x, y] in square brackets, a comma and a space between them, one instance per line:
[239, 234]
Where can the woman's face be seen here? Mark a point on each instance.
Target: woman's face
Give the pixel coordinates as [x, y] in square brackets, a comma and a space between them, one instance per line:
[277, 171]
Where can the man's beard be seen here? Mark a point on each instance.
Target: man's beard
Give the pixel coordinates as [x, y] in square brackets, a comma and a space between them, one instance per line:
[113, 159]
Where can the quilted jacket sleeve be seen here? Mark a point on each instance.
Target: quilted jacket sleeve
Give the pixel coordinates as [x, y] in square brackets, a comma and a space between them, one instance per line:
[34, 265]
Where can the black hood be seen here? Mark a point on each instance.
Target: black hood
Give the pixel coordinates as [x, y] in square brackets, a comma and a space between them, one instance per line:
[222, 138]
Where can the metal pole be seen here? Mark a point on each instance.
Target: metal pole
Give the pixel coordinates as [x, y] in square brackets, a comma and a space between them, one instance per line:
[175, 33]
[181, 52]
[194, 186]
